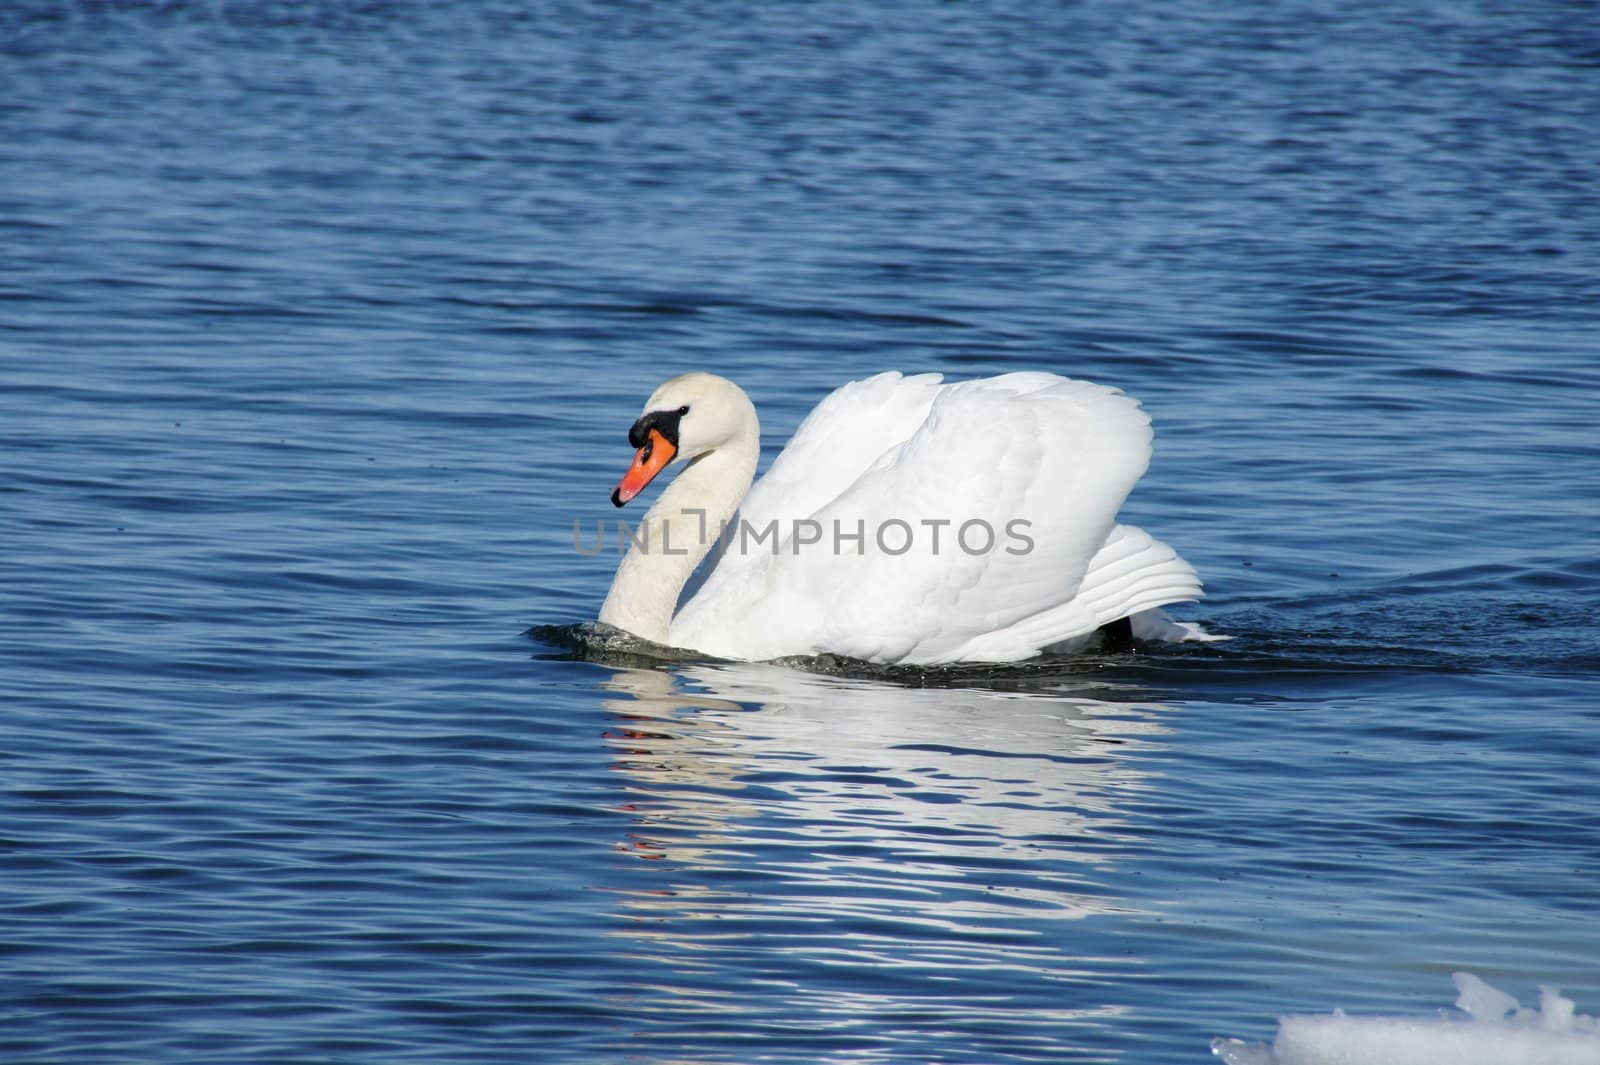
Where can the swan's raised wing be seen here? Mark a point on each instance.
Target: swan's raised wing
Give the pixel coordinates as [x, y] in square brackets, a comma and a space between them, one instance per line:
[1044, 469]
[976, 534]
[842, 436]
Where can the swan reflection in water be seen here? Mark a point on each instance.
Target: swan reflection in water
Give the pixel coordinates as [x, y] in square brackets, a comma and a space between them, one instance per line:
[845, 849]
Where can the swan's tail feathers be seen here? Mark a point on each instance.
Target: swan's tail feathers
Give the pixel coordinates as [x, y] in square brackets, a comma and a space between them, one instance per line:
[1131, 576]
[1134, 573]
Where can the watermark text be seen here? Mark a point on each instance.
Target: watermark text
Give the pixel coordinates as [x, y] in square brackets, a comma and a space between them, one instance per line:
[892, 536]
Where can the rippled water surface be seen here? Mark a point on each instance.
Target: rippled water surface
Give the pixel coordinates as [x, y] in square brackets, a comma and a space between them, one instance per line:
[321, 324]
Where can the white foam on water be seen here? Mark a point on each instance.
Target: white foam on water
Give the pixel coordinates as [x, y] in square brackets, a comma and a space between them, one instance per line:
[1491, 1028]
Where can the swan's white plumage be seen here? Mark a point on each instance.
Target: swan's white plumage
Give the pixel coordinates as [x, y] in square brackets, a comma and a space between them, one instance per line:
[899, 454]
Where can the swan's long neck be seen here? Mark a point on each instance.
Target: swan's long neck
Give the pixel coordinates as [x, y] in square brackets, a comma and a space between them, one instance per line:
[675, 535]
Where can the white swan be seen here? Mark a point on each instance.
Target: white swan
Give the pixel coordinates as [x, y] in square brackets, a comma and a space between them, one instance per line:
[907, 521]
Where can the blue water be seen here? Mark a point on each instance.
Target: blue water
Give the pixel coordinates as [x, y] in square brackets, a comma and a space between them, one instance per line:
[321, 323]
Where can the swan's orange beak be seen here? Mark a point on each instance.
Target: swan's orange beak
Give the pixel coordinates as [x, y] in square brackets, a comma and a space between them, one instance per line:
[654, 457]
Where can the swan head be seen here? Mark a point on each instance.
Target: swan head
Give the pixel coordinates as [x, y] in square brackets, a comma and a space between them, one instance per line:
[688, 417]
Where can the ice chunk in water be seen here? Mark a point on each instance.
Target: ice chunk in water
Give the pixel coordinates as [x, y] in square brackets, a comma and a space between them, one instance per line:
[1483, 1002]
[1495, 1030]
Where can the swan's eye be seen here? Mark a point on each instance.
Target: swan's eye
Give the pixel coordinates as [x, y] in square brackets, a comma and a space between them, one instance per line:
[682, 411]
